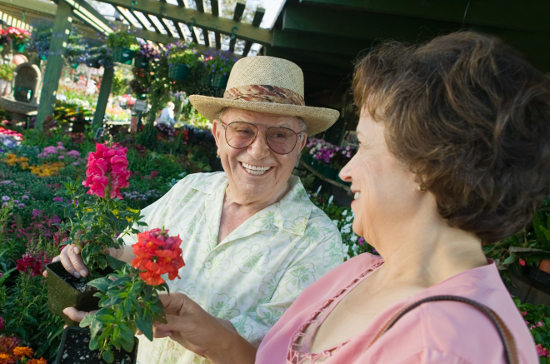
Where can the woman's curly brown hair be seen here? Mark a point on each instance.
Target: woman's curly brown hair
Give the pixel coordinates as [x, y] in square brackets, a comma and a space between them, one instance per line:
[471, 118]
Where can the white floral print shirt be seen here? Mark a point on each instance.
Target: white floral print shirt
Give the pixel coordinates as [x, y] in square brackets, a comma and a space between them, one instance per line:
[253, 275]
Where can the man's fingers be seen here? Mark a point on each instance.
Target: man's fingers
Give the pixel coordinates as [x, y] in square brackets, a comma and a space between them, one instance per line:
[74, 314]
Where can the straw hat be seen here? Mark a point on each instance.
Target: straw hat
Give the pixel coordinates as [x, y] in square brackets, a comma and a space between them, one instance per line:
[267, 84]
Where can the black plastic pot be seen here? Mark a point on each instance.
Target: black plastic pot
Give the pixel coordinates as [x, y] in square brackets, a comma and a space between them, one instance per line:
[64, 290]
[74, 348]
[529, 284]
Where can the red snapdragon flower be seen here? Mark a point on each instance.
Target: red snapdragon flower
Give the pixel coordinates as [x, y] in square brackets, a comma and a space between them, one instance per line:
[31, 264]
[157, 253]
[107, 170]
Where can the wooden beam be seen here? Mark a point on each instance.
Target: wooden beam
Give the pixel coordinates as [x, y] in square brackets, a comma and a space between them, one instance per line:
[150, 19]
[52, 72]
[178, 29]
[216, 13]
[154, 36]
[78, 4]
[510, 14]
[200, 9]
[137, 18]
[32, 5]
[103, 97]
[256, 21]
[237, 17]
[190, 16]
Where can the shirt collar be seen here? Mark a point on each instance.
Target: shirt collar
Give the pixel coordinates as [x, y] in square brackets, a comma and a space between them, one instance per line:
[296, 199]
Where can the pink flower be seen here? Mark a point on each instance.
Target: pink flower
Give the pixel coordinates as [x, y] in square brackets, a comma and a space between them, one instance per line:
[1, 323]
[522, 262]
[31, 264]
[107, 170]
[541, 351]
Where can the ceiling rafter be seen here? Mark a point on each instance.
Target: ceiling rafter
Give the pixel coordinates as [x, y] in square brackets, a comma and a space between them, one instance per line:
[195, 18]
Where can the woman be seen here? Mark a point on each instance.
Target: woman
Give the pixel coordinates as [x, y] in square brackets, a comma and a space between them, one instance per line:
[252, 239]
[454, 151]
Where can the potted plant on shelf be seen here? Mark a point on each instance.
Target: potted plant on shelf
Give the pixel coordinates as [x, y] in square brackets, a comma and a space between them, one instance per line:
[217, 66]
[181, 60]
[124, 46]
[6, 77]
[326, 158]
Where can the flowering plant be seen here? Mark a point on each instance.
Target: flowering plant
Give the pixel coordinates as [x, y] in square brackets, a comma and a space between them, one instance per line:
[179, 53]
[148, 52]
[129, 297]
[218, 62]
[6, 71]
[537, 319]
[122, 39]
[18, 35]
[4, 38]
[527, 247]
[99, 216]
[328, 153]
[11, 352]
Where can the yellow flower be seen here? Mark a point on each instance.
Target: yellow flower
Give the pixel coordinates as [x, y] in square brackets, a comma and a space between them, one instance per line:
[6, 359]
[22, 351]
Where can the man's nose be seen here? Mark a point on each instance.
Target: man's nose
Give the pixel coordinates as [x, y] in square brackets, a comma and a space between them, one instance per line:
[259, 148]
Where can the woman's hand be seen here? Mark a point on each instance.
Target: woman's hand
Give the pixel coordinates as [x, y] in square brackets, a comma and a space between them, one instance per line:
[197, 330]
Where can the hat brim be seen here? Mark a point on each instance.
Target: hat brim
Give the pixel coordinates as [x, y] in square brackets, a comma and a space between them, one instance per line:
[317, 119]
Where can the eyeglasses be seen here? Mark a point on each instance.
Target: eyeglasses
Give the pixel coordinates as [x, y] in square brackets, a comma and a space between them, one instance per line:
[241, 134]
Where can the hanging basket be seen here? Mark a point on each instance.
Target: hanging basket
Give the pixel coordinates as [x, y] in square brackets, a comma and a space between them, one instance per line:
[18, 47]
[178, 71]
[219, 81]
[123, 55]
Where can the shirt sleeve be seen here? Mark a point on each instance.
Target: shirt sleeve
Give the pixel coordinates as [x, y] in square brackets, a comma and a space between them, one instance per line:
[322, 246]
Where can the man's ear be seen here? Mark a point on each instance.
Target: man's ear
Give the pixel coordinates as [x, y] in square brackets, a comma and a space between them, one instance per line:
[302, 142]
[217, 131]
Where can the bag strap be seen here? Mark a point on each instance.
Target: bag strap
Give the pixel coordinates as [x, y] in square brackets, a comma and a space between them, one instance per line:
[510, 348]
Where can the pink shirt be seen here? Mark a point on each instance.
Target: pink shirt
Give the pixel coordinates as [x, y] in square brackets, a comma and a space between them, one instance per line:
[435, 332]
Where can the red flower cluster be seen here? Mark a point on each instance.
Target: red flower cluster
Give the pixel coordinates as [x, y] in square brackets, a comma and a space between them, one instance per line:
[107, 169]
[15, 135]
[157, 254]
[19, 34]
[31, 264]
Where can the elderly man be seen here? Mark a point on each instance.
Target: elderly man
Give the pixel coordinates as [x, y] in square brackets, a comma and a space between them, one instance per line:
[252, 239]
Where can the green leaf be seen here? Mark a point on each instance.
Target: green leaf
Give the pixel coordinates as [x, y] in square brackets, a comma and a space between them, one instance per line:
[108, 356]
[101, 284]
[145, 325]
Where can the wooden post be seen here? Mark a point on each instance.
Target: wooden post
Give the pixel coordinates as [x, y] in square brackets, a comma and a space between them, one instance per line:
[52, 73]
[104, 91]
